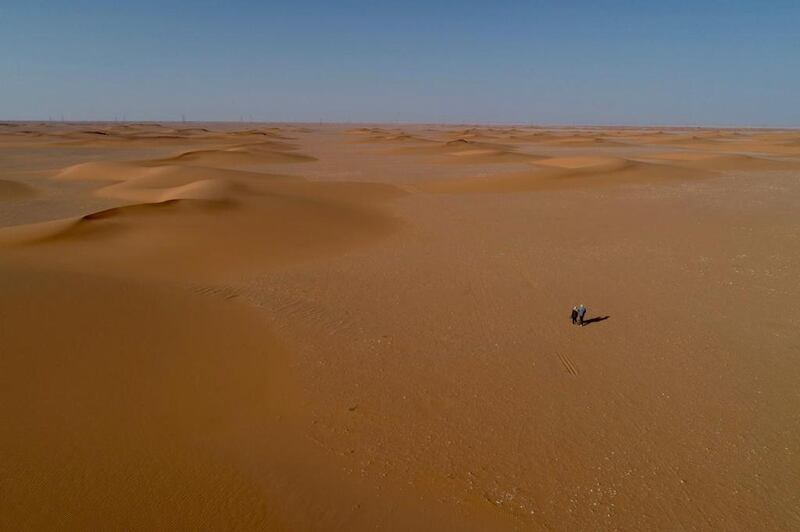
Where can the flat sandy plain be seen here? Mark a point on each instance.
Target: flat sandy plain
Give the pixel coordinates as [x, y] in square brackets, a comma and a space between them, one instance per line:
[317, 327]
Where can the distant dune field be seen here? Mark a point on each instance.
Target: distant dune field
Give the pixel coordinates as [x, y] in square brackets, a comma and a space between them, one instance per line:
[339, 327]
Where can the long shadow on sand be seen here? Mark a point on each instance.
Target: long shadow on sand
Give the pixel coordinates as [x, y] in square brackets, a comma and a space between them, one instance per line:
[595, 320]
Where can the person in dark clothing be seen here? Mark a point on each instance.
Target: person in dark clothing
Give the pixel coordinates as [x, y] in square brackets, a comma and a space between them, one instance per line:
[574, 315]
[581, 314]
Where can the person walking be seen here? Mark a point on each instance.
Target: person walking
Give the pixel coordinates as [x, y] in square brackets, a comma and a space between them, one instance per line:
[581, 314]
[574, 315]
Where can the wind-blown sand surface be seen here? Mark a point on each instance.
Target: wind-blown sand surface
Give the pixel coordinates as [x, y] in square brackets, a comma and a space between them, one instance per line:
[283, 327]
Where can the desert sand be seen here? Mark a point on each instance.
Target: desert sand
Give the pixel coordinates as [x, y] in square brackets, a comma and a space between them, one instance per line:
[359, 327]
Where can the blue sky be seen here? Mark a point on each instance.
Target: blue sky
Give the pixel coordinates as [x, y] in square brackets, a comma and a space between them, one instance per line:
[702, 62]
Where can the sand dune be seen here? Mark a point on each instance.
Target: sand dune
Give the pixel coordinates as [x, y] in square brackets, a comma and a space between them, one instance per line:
[570, 172]
[247, 155]
[370, 131]
[591, 164]
[394, 137]
[735, 141]
[257, 154]
[193, 130]
[467, 151]
[483, 155]
[14, 190]
[248, 219]
[566, 140]
[143, 135]
[270, 133]
[579, 141]
[750, 146]
[99, 171]
[160, 188]
[720, 161]
[163, 170]
[533, 137]
[216, 240]
[158, 183]
[110, 138]
[381, 135]
[704, 139]
[37, 232]
[477, 134]
[462, 142]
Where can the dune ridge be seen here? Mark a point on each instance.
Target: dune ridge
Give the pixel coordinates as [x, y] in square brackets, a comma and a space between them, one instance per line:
[248, 155]
[569, 172]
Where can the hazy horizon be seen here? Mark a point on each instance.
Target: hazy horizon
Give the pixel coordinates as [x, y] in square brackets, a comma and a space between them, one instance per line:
[541, 125]
[709, 63]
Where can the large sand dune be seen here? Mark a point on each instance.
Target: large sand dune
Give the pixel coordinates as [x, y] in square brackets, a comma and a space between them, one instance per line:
[181, 221]
[282, 327]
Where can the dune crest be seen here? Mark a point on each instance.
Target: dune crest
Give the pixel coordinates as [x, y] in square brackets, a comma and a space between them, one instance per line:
[147, 191]
[99, 171]
[249, 155]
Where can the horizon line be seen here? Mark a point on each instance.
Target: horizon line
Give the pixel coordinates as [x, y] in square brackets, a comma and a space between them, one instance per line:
[403, 122]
